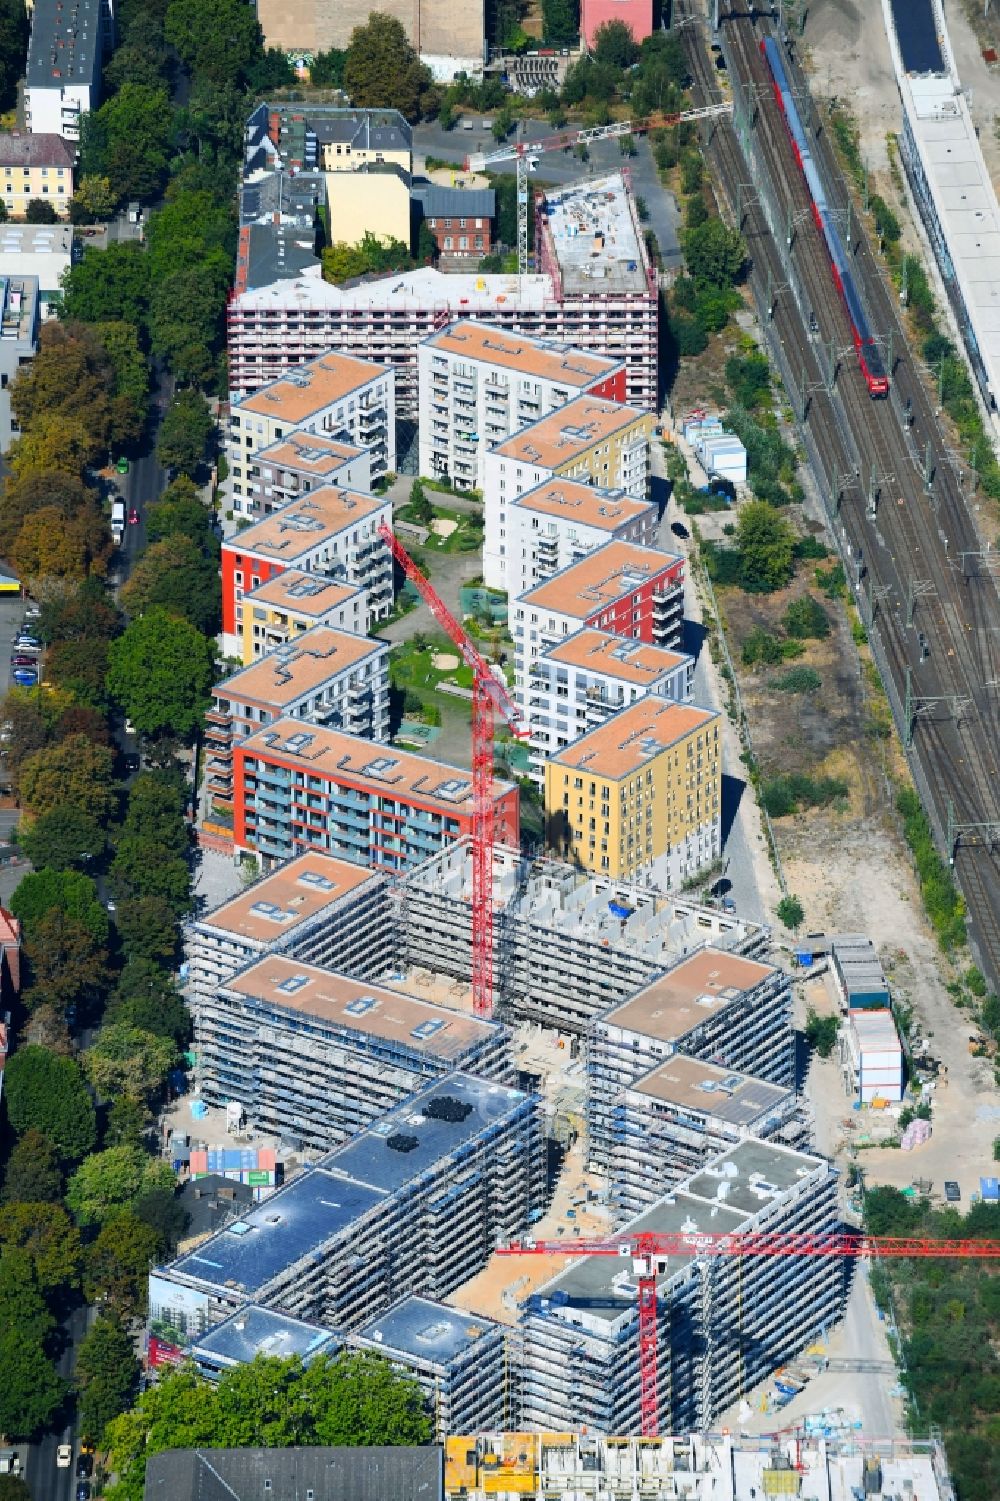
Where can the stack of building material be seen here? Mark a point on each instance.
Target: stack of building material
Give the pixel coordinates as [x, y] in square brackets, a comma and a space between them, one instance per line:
[916, 1133]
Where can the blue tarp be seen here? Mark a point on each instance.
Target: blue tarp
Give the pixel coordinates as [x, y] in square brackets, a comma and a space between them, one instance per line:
[990, 1189]
[617, 910]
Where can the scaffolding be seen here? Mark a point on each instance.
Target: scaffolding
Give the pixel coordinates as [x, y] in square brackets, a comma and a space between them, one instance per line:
[568, 945]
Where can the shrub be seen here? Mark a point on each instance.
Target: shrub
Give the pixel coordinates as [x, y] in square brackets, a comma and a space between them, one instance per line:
[811, 547]
[805, 619]
[761, 648]
[785, 795]
[749, 378]
[832, 581]
[689, 336]
[975, 981]
[944, 906]
[799, 680]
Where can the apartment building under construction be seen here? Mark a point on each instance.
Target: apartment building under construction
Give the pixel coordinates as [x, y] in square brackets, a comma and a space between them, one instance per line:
[568, 945]
[683, 1113]
[415, 1205]
[312, 1055]
[721, 1007]
[724, 1323]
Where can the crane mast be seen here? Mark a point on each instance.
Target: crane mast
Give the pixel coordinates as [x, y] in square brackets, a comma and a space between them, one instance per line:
[650, 1250]
[489, 698]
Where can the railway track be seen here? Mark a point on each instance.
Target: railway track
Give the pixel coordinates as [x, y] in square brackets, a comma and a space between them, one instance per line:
[918, 581]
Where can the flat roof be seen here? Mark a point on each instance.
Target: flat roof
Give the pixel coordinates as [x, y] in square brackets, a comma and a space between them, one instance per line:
[958, 179]
[722, 1196]
[634, 736]
[408, 1142]
[618, 657]
[257, 1331]
[309, 453]
[562, 436]
[288, 897]
[426, 1330]
[288, 1225]
[408, 290]
[876, 1030]
[65, 43]
[548, 359]
[298, 528]
[382, 769]
[586, 504]
[596, 237]
[298, 667]
[738, 1099]
[698, 987]
[309, 388]
[359, 1006]
[303, 593]
[600, 579]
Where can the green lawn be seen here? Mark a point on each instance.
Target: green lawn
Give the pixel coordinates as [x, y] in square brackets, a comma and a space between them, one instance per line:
[467, 536]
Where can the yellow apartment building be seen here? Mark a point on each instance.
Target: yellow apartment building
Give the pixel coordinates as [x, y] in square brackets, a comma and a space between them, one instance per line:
[640, 797]
[35, 166]
[372, 199]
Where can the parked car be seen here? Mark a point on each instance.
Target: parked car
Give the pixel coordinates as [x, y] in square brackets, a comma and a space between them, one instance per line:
[679, 529]
[64, 1456]
[84, 1466]
[25, 677]
[132, 763]
[25, 639]
[22, 660]
[952, 1192]
[83, 1490]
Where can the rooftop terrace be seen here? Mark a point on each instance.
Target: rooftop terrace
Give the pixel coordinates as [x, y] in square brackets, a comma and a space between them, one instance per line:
[586, 504]
[567, 434]
[298, 667]
[296, 530]
[633, 737]
[292, 895]
[600, 579]
[302, 593]
[635, 662]
[309, 388]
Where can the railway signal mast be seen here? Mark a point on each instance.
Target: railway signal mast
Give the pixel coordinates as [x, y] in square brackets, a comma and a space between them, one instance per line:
[489, 698]
[526, 153]
[649, 1250]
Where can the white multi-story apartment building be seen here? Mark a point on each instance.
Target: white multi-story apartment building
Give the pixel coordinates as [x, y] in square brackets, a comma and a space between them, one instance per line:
[591, 440]
[299, 463]
[631, 592]
[335, 396]
[65, 55]
[330, 533]
[579, 682]
[479, 383]
[561, 520]
[324, 677]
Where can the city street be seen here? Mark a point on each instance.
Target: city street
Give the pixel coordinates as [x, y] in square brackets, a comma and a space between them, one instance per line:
[558, 168]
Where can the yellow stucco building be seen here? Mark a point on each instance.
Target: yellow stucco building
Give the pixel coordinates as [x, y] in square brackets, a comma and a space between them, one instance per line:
[35, 166]
[641, 795]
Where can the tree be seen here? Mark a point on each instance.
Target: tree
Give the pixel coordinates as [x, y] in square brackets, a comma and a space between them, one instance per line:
[50, 1095]
[46, 1233]
[219, 40]
[806, 618]
[821, 1031]
[40, 211]
[327, 70]
[83, 613]
[180, 513]
[147, 998]
[127, 1123]
[51, 548]
[144, 61]
[118, 1262]
[160, 671]
[46, 1028]
[382, 69]
[766, 546]
[128, 141]
[342, 262]
[94, 200]
[108, 286]
[615, 45]
[130, 402]
[156, 810]
[13, 49]
[560, 22]
[186, 433]
[21, 1303]
[715, 255]
[359, 1398]
[790, 912]
[271, 71]
[421, 508]
[107, 1182]
[33, 1171]
[66, 966]
[70, 376]
[66, 891]
[13, 1488]
[142, 868]
[148, 929]
[31, 1391]
[72, 774]
[127, 1061]
[174, 573]
[106, 1375]
[81, 667]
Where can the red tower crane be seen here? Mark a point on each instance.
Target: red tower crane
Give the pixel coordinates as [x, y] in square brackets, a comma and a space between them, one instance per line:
[489, 698]
[648, 1249]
